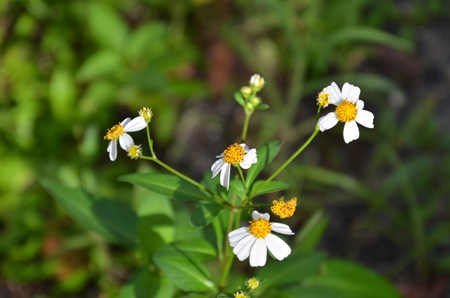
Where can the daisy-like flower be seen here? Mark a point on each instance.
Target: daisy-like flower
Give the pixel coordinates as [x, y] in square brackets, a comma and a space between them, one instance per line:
[119, 132]
[254, 240]
[233, 155]
[349, 109]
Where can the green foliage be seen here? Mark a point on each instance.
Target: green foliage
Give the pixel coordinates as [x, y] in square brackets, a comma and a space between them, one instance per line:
[266, 153]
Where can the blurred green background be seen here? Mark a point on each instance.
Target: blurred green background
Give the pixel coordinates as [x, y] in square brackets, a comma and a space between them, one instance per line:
[69, 70]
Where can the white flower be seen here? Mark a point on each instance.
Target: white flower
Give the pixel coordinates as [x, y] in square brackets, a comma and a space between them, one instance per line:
[257, 81]
[254, 240]
[349, 109]
[234, 154]
[119, 132]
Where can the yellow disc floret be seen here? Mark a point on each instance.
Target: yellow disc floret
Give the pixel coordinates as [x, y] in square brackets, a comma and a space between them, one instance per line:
[115, 132]
[240, 295]
[135, 151]
[346, 111]
[283, 209]
[146, 113]
[234, 154]
[252, 283]
[260, 228]
[322, 99]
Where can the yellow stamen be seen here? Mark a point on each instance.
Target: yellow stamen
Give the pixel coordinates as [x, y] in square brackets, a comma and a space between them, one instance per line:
[115, 132]
[283, 209]
[346, 111]
[135, 151]
[240, 295]
[253, 283]
[260, 228]
[234, 154]
[322, 99]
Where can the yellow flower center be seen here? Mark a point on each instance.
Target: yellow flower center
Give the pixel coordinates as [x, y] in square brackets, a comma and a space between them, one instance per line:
[346, 111]
[322, 98]
[146, 113]
[234, 154]
[115, 132]
[260, 228]
[253, 283]
[240, 295]
[135, 151]
[283, 209]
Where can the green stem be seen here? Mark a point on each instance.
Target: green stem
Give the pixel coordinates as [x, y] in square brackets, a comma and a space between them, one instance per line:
[286, 163]
[242, 178]
[172, 170]
[244, 130]
[228, 257]
[150, 143]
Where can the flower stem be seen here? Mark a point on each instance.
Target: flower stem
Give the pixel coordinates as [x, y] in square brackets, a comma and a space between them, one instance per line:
[286, 163]
[172, 170]
[150, 143]
[244, 130]
[242, 178]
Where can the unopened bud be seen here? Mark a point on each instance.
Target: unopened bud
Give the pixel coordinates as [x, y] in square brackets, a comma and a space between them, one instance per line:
[147, 114]
[256, 81]
[246, 91]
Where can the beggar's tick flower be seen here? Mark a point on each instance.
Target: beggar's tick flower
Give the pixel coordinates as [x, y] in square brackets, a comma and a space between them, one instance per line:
[146, 113]
[240, 295]
[119, 132]
[322, 98]
[254, 240]
[233, 155]
[135, 151]
[252, 283]
[349, 109]
[283, 209]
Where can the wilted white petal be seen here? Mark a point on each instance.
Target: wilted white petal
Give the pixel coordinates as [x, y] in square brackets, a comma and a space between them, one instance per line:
[258, 254]
[365, 118]
[126, 141]
[243, 248]
[112, 149]
[328, 121]
[225, 175]
[136, 124]
[281, 228]
[351, 131]
[217, 166]
[277, 247]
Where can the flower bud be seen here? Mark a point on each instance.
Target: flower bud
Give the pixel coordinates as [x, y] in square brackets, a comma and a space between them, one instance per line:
[135, 151]
[255, 101]
[252, 283]
[246, 91]
[322, 98]
[257, 82]
[147, 114]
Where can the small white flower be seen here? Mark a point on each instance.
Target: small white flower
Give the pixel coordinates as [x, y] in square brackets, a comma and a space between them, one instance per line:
[234, 154]
[254, 240]
[119, 132]
[349, 109]
[257, 81]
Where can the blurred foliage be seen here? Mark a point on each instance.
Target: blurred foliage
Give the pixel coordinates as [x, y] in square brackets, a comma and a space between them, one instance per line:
[70, 70]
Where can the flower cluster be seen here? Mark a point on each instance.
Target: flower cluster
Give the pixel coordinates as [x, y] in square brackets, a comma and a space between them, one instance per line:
[283, 209]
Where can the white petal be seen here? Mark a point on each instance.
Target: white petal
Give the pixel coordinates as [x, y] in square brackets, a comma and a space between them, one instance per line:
[126, 141]
[354, 93]
[345, 90]
[136, 124]
[351, 131]
[249, 159]
[235, 236]
[112, 149]
[281, 228]
[258, 254]
[225, 175]
[125, 121]
[266, 216]
[219, 156]
[246, 148]
[217, 166]
[328, 121]
[243, 248]
[277, 247]
[256, 215]
[335, 94]
[360, 105]
[365, 118]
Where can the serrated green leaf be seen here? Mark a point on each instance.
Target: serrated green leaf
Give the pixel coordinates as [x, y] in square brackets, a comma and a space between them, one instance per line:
[204, 215]
[238, 97]
[266, 153]
[96, 214]
[272, 186]
[351, 280]
[168, 186]
[186, 272]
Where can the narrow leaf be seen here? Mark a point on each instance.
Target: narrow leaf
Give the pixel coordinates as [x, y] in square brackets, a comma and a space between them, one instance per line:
[312, 232]
[266, 153]
[169, 186]
[262, 106]
[272, 186]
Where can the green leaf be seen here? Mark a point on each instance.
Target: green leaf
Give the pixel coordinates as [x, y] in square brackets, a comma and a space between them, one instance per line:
[266, 153]
[204, 215]
[62, 94]
[143, 283]
[349, 280]
[184, 270]
[292, 270]
[238, 97]
[96, 214]
[169, 186]
[262, 106]
[100, 63]
[312, 232]
[272, 186]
